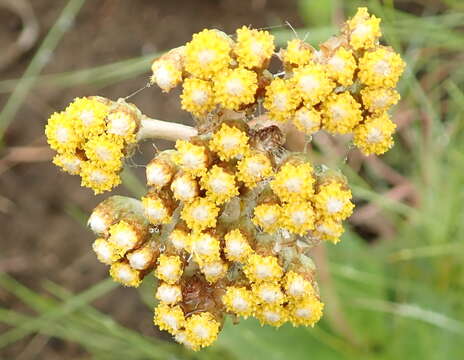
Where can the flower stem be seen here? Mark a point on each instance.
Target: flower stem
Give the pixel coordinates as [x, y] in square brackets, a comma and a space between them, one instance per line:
[157, 129]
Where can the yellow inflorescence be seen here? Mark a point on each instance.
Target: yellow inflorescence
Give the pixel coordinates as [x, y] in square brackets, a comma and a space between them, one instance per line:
[229, 142]
[341, 113]
[341, 66]
[122, 273]
[191, 158]
[156, 210]
[231, 214]
[378, 100]
[202, 329]
[312, 83]
[307, 120]
[297, 53]
[268, 217]
[197, 96]
[375, 135]
[381, 68]
[92, 137]
[333, 201]
[240, 301]
[254, 48]
[306, 312]
[254, 168]
[236, 246]
[281, 99]
[262, 268]
[235, 88]
[169, 269]
[298, 217]
[200, 214]
[294, 182]
[207, 54]
[364, 30]
[219, 185]
[89, 116]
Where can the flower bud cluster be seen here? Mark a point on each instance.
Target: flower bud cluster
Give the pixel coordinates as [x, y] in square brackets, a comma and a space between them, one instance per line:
[91, 137]
[230, 214]
[226, 226]
[345, 87]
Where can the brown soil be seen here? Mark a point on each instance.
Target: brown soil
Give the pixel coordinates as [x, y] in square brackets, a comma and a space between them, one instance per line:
[39, 238]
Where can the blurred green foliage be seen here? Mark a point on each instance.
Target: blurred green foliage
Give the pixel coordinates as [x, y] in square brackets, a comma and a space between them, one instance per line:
[402, 297]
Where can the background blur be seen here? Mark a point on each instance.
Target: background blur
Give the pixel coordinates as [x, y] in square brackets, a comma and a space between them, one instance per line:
[393, 287]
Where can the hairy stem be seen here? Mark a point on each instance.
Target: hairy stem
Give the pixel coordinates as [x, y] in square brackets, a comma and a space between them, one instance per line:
[157, 129]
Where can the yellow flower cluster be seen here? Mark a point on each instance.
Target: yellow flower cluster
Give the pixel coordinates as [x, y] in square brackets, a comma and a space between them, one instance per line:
[92, 136]
[230, 214]
[338, 88]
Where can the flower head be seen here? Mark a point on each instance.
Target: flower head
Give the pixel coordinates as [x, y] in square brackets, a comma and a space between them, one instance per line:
[281, 99]
[169, 294]
[268, 293]
[204, 247]
[229, 142]
[202, 329]
[328, 229]
[97, 178]
[124, 237]
[297, 53]
[219, 185]
[142, 258]
[307, 120]
[185, 188]
[207, 53]
[333, 200]
[378, 100]
[200, 214]
[156, 209]
[239, 300]
[106, 151]
[166, 74]
[381, 68]
[294, 182]
[169, 318]
[191, 158]
[253, 168]
[375, 135]
[179, 239]
[169, 268]
[160, 172]
[89, 114]
[341, 66]
[312, 83]
[364, 30]
[122, 273]
[254, 47]
[272, 315]
[122, 123]
[105, 251]
[61, 133]
[197, 96]
[214, 270]
[341, 113]
[298, 217]
[306, 312]
[262, 268]
[69, 162]
[296, 286]
[236, 246]
[235, 88]
[267, 216]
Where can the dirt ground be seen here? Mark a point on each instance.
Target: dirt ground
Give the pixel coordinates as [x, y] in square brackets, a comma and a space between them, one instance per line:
[39, 238]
